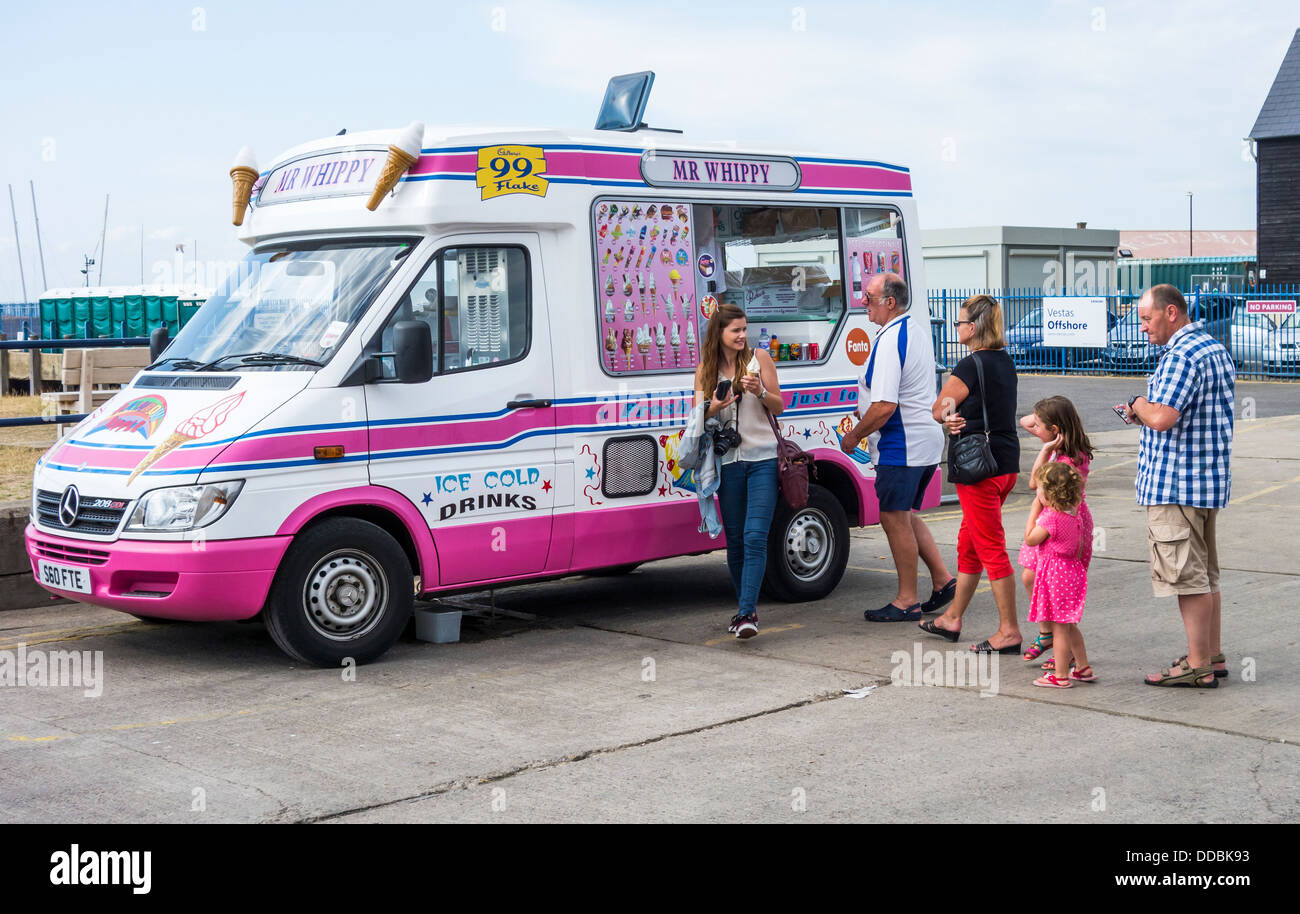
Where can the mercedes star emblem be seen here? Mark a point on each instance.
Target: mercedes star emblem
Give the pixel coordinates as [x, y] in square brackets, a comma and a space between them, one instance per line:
[69, 505]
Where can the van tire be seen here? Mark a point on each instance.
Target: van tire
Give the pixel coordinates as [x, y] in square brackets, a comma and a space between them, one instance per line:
[344, 590]
[800, 571]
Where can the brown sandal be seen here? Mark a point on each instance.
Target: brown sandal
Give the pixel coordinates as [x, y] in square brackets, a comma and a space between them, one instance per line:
[1188, 678]
[1214, 661]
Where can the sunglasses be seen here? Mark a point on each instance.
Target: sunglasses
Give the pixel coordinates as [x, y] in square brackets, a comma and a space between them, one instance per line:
[959, 323]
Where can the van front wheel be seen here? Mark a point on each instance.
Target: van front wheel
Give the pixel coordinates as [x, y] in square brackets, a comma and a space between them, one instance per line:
[344, 590]
[807, 549]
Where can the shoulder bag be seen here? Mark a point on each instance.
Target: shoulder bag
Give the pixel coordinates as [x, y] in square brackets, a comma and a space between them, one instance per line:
[971, 458]
[793, 466]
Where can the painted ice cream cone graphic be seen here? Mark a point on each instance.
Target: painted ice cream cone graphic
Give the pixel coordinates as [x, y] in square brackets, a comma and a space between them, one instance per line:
[661, 342]
[627, 346]
[401, 156]
[609, 310]
[640, 291]
[629, 310]
[674, 278]
[643, 345]
[676, 340]
[204, 422]
[243, 174]
[654, 301]
[670, 307]
[690, 340]
[611, 346]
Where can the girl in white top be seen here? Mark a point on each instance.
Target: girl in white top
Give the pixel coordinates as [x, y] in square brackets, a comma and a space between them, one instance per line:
[748, 490]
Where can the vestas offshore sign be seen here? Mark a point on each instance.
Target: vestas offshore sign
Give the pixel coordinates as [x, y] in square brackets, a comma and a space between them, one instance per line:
[1074, 321]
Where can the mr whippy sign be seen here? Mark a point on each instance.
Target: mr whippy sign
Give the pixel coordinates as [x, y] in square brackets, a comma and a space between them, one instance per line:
[511, 170]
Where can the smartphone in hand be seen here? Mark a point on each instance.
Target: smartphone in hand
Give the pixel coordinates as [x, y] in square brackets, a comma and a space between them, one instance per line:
[1122, 412]
[723, 391]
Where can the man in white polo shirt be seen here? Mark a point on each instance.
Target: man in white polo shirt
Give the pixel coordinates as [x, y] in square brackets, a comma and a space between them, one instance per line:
[896, 396]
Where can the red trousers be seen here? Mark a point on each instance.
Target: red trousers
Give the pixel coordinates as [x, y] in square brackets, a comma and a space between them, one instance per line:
[981, 541]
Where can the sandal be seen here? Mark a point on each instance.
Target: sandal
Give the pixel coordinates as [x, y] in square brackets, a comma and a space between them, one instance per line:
[1214, 662]
[929, 626]
[1084, 675]
[1188, 678]
[985, 648]
[940, 598]
[1049, 681]
[1040, 646]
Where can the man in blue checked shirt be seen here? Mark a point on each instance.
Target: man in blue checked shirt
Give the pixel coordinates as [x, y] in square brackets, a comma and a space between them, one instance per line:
[1183, 477]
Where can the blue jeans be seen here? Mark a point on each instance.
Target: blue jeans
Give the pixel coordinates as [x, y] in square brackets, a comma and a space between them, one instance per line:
[748, 500]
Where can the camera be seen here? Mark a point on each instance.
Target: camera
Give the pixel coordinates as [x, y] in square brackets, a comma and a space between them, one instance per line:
[724, 440]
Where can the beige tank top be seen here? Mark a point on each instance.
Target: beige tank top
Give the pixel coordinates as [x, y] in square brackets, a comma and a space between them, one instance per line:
[749, 416]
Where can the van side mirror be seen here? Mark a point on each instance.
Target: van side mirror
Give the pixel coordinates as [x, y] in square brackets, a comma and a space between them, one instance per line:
[412, 352]
[158, 340]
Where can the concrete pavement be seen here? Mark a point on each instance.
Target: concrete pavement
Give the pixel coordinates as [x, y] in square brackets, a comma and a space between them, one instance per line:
[625, 699]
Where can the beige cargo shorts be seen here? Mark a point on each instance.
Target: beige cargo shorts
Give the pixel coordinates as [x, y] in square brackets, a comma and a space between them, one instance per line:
[1184, 556]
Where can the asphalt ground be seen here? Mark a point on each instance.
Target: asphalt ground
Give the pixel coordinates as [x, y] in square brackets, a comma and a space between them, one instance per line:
[624, 698]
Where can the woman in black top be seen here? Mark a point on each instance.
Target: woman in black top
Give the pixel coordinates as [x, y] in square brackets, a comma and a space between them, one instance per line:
[981, 542]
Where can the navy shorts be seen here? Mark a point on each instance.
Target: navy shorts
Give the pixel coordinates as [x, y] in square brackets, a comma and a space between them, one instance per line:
[902, 488]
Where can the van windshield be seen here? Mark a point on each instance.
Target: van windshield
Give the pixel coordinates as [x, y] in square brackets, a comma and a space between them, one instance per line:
[287, 307]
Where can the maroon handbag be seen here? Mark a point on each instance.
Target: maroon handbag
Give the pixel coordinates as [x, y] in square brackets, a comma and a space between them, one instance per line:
[794, 466]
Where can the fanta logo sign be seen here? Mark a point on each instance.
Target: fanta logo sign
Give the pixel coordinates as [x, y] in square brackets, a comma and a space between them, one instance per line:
[858, 346]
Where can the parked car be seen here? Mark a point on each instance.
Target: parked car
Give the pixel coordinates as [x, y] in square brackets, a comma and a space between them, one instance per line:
[1127, 347]
[1025, 344]
[1282, 351]
[1248, 336]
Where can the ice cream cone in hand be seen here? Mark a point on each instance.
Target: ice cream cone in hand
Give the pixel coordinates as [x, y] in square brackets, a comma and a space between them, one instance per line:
[243, 175]
[401, 156]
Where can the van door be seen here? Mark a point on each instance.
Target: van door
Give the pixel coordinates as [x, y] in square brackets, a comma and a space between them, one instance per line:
[474, 447]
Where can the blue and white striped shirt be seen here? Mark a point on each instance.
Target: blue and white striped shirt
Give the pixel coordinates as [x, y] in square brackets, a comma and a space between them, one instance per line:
[1188, 465]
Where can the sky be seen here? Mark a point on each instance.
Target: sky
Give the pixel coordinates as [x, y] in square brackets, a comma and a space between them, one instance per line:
[1041, 112]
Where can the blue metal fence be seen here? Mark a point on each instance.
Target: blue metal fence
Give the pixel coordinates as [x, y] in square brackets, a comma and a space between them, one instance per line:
[14, 314]
[1263, 340]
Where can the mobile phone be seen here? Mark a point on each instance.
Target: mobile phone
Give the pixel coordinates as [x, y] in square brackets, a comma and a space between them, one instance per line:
[1123, 414]
[723, 391]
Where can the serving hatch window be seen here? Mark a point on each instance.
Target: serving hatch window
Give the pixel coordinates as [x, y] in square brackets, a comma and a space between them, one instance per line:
[873, 243]
[781, 264]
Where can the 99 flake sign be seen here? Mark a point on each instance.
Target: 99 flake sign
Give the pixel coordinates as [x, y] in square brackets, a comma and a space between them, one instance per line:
[511, 170]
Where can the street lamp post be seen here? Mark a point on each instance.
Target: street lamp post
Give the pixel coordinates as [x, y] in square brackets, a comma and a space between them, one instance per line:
[1189, 223]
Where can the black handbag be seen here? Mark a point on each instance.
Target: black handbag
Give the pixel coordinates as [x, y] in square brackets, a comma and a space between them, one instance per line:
[971, 459]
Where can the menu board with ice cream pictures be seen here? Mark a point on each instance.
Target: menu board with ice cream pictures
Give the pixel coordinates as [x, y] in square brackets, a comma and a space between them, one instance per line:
[644, 253]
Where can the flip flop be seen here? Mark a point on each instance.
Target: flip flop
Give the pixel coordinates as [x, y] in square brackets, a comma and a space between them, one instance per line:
[1049, 681]
[985, 648]
[1189, 678]
[929, 626]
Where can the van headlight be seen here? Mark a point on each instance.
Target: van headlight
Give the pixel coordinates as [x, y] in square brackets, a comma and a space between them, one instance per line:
[183, 507]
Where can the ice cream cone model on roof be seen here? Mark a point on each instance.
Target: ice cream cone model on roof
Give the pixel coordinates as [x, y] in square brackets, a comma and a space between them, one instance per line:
[401, 156]
[244, 175]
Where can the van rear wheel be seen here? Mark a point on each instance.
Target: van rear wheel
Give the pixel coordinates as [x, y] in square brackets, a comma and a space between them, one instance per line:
[807, 549]
[344, 590]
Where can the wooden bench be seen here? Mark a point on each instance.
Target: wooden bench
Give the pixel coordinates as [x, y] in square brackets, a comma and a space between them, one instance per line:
[92, 376]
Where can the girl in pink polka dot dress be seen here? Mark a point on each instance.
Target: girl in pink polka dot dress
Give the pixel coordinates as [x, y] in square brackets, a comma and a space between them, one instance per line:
[1061, 578]
[1057, 424]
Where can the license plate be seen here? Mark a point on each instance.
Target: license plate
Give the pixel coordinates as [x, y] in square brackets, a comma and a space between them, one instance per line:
[64, 577]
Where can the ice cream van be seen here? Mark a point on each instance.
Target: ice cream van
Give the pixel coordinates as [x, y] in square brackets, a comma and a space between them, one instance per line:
[459, 359]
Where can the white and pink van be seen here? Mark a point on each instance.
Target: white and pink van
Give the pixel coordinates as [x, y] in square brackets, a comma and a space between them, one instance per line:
[479, 382]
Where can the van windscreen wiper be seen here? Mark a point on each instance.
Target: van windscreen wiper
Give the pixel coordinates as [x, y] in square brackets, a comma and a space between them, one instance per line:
[182, 363]
[262, 358]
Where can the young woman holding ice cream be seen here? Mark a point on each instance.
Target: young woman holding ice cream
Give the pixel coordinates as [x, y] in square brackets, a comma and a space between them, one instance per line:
[748, 490]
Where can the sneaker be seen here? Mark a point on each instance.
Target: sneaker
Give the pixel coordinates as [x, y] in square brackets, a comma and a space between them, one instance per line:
[735, 621]
[747, 626]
